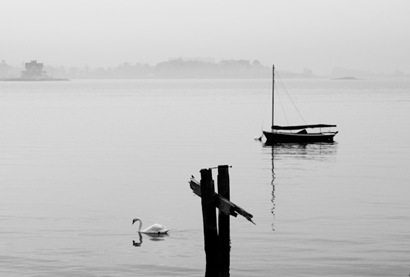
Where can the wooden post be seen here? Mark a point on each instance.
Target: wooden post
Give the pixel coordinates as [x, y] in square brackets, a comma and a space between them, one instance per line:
[209, 222]
[217, 242]
[224, 223]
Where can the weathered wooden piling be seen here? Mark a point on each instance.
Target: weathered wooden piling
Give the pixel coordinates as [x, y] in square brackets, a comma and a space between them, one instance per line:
[209, 222]
[217, 240]
[224, 223]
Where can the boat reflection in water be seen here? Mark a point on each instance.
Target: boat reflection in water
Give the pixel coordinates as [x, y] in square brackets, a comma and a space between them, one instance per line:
[273, 192]
[285, 155]
[320, 151]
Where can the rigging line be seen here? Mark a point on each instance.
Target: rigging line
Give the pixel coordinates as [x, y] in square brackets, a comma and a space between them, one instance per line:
[290, 98]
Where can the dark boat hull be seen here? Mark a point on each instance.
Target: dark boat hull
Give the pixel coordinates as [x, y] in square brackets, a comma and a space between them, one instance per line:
[282, 137]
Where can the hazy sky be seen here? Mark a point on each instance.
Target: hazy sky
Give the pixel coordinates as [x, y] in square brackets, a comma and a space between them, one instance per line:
[294, 34]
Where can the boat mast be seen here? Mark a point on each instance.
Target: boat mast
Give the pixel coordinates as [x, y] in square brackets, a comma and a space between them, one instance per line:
[273, 95]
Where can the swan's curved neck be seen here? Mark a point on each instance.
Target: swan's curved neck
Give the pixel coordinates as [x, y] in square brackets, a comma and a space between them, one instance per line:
[140, 224]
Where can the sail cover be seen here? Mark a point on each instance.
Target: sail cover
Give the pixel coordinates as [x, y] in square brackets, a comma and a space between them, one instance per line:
[297, 127]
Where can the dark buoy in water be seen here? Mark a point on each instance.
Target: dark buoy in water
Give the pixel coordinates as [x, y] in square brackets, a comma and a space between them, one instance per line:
[259, 138]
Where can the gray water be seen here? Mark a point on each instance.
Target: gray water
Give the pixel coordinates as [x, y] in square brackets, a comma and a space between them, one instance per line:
[80, 159]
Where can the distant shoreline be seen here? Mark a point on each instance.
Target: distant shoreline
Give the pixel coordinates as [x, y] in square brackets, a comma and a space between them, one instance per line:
[34, 80]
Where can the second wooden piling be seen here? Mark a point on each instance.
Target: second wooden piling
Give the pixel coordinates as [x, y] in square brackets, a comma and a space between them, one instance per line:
[224, 240]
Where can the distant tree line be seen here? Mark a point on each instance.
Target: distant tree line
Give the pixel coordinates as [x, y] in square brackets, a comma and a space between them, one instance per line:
[176, 68]
[184, 68]
[8, 71]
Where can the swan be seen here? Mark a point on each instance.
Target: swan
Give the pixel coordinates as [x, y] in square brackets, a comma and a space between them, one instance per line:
[154, 229]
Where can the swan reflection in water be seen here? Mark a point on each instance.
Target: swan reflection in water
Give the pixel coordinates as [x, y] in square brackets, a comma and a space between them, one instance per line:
[137, 243]
[155, 232]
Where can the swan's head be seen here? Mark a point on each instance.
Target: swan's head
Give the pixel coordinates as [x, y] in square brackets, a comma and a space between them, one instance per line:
[135, 220]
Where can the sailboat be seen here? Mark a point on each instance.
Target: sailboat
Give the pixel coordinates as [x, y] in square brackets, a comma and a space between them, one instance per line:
[296, 133]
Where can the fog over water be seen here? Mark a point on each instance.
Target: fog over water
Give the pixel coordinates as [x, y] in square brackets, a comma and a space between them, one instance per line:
[318, 34]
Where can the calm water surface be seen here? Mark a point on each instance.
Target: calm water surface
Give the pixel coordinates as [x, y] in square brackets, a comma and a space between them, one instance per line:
[80, 159]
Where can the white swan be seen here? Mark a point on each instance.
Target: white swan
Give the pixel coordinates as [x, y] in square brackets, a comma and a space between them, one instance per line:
[155, 229]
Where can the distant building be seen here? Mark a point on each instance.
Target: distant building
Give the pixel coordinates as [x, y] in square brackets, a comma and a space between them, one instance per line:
[34, 70]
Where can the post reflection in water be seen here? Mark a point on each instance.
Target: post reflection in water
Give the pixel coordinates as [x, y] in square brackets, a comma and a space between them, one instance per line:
[296, 151]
